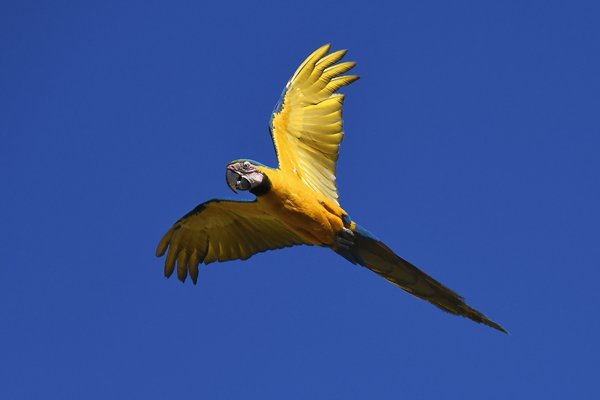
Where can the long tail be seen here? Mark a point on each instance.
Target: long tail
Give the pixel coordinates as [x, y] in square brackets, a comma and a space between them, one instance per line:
[375, 255]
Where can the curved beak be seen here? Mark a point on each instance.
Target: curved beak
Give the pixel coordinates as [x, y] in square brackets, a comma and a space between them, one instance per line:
[232, 178]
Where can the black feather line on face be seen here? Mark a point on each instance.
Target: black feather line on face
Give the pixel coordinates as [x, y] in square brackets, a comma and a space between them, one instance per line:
[263, 188]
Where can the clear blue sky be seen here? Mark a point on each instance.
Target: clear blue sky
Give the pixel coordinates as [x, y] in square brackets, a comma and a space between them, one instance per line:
[471, 149]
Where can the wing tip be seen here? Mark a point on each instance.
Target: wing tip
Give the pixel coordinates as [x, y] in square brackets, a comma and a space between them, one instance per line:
[164, 243]
[168, 270]
[351, 78]
[341, 52]
[316, 55]
[325, 47]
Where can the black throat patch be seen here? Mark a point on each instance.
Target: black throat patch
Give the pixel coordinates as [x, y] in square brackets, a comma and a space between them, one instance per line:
[263, 188]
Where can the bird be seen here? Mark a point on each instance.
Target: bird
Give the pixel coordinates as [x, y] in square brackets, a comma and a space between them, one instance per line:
[298, 203]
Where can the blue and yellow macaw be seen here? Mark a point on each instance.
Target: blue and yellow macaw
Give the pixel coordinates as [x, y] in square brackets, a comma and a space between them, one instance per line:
[297, 203]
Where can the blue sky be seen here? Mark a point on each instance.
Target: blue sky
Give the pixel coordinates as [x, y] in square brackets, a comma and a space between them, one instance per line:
[471, 149]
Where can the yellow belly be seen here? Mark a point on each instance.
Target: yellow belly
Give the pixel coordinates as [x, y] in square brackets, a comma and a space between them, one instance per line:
[316, 218]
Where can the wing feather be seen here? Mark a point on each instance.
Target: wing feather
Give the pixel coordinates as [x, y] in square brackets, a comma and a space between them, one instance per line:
[193, 265]
[330, 59]
[221, 230]
[307, 126]
[337, 69]
[182, 261]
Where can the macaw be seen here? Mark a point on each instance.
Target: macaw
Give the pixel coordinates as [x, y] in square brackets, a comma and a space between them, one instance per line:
[297, 203]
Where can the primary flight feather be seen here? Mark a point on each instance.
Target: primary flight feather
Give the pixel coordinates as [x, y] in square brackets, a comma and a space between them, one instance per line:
[297, 203]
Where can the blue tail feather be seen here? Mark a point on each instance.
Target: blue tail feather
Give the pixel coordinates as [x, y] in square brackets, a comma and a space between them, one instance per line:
[353, 254]
[373, 254]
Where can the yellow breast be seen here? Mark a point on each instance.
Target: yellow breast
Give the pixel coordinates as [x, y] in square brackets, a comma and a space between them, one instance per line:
[310, 214]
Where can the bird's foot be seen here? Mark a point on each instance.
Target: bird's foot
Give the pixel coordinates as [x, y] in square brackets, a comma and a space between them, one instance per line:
[345, 239]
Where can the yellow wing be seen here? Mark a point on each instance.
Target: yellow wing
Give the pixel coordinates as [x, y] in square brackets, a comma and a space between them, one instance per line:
[307, 126]
[221, 230]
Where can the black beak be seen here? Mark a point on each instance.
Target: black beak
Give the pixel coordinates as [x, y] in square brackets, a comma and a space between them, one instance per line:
[232, 178]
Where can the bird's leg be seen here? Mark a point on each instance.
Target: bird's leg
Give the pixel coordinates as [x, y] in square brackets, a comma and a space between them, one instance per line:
[345, 239]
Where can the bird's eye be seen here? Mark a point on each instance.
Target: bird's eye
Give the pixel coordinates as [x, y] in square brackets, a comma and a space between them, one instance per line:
[246, 165]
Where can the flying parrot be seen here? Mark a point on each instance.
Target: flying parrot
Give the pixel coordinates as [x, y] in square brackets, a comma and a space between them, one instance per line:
[297, 203]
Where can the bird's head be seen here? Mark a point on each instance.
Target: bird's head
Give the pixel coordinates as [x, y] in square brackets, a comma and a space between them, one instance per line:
[247, 175]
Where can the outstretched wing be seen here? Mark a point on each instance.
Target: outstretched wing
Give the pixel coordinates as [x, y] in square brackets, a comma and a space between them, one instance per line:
[221, 230]
[307, 126]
